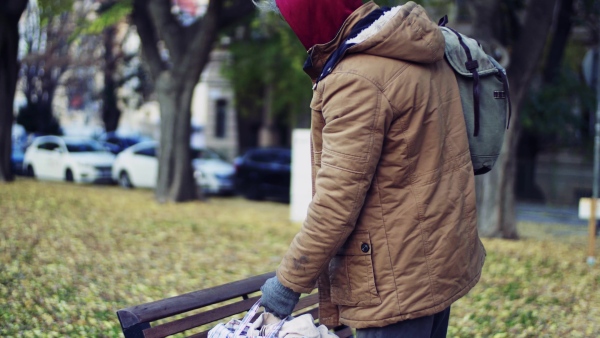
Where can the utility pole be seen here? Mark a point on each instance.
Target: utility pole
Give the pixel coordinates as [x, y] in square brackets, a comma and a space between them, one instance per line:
[592, 222]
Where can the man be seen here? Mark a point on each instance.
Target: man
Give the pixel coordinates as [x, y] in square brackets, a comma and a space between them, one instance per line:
[391, 234]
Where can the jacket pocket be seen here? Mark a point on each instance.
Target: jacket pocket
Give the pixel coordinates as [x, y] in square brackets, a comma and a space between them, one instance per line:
[351, 273]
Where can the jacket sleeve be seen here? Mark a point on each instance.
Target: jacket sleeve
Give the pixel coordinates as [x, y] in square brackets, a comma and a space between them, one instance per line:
[356, 115]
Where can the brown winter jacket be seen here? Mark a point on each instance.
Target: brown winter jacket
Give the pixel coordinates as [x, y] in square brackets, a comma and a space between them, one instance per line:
[391, 231]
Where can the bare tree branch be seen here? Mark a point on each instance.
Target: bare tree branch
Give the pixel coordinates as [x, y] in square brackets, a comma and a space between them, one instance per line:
[201, 37]
[168, 28]
[147, 33]
[201, 34]
[528, 48]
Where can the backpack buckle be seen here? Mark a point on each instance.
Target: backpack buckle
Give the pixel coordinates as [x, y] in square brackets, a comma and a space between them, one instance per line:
[472, 65]
[499, 94]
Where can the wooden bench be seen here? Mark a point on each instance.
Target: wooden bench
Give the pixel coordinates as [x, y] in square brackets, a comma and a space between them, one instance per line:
[229, 300]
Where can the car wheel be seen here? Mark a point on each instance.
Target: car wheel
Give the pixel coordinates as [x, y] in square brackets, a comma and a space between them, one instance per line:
[124, 180]
[69, 176]
[30, 171]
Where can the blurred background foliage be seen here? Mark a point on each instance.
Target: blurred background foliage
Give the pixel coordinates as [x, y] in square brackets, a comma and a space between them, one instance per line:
[266, 53]
[267, 61]
[560, 106]
[108, 14]
[266, 67]
[543, 113]
[49, 9]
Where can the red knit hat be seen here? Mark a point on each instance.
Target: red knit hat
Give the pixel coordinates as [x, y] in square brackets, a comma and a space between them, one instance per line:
[316, 21]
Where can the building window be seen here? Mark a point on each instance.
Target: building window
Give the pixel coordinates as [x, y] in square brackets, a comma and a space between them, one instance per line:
[221, 118]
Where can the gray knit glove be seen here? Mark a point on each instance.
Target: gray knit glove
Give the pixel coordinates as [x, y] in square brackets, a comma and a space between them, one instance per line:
[278, 299]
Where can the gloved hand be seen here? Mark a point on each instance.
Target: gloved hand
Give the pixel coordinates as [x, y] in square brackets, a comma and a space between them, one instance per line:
[278, 299]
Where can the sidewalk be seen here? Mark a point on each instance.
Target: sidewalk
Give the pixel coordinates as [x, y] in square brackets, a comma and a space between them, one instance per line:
[552, 220]
[540, 213]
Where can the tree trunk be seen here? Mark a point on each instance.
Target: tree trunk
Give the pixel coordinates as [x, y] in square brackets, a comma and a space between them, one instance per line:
[527, 151]
[189, 51]
[175, 175]
[495, 190]
[483, 13]
[528, 146]
[267, 136]
[10, 13]
[562, 30]
[110, 111]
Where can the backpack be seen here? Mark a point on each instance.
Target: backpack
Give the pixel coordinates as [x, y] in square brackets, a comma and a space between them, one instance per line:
[484, 94]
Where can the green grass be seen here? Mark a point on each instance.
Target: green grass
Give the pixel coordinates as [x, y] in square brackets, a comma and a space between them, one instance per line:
[71, 255]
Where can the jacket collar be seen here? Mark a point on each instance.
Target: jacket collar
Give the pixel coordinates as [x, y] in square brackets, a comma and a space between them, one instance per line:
[319, 54]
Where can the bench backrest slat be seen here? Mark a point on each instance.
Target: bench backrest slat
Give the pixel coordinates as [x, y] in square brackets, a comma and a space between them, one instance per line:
[153, 311]
[199, 319]
[307, 301]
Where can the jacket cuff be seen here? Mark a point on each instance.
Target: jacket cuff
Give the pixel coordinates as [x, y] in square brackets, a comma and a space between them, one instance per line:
[284, 291]
[295, 287]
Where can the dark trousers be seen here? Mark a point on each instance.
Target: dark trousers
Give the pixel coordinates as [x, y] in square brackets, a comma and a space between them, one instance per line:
[434, 326]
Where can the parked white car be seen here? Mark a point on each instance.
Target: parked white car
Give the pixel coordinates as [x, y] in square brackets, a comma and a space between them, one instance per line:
[68, 158]
[137, 166]
[216, 175]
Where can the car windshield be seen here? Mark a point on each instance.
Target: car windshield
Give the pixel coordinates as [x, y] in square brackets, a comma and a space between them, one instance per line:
[279, 157]
[205, 154]
[147, 151]
[125, 142]
[84, 147]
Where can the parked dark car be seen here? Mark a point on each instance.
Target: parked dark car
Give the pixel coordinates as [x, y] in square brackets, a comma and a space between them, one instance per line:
[264, 173]
[116, 143]
[16, 159]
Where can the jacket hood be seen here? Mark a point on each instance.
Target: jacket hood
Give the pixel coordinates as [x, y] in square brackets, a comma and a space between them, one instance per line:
[403, 32]
[316, 21]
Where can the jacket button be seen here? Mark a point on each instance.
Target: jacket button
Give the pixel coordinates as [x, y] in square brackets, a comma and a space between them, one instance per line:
[364, 247]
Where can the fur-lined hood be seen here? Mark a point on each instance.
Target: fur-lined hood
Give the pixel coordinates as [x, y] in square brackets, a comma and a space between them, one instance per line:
[403, 32]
